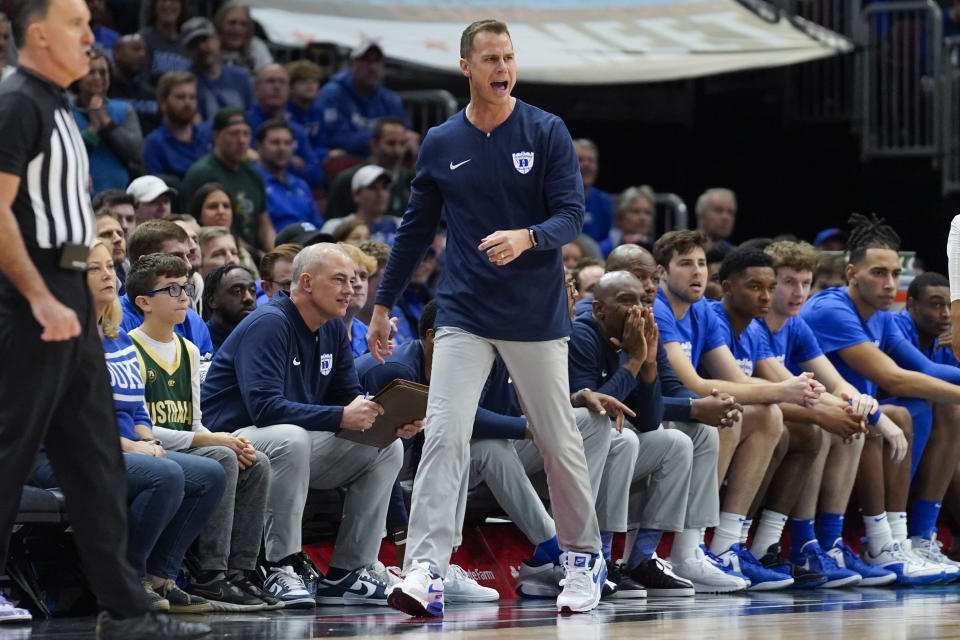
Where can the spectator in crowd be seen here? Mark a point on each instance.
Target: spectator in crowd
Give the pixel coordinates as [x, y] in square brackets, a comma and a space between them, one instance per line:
[110, 128]
[218, 85]
[573, 254]
[229, 541]
[228, 165]
[417, 294]
[289, 199]
[305, 79]
[218, 247]
[172, 148]
[585, 276]
[291, 414]
[363, 266]
[231, 295]
[355, 99]
[830, 272]
[271, 94]
[131, 80]
[381, 253]
[121, 204]
[5, 37]
[276, 271]
[163, 236]
[632, 219]
[211, 206]
[716, 213]
[164, 20]
[387, 148]
[153, 198]
[831, 240]
[352, 232]
[598, 207]
[716, 252]
[170, 496]
[238, 44]
[189, 224]
[111, 233]
[104, 35]
[370, 186]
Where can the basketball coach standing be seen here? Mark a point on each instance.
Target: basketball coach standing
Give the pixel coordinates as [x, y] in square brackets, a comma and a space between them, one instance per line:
[507, 175]
[54, 387]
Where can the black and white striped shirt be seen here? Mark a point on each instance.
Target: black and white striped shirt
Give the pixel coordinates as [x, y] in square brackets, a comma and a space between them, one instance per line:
[40, 143]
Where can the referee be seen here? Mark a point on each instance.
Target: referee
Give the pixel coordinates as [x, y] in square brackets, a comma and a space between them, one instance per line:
[507, 175]
[54, 388]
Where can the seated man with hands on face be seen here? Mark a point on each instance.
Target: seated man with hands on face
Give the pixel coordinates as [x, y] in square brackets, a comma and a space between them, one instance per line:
[285, 379]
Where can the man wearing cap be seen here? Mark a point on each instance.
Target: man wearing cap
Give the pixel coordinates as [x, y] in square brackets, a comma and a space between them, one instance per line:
[228, 165]
[716, 214]
[180, 141]
[370, 186]
[387, 149]
[153, 198]
[289, 199]
[218, 85]
[354, 99]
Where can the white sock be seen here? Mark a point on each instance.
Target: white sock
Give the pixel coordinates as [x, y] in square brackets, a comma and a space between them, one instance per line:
[878, 532]
[769, 532]
[685, 545]
[727, 533]
[745, 531]
[898, 524]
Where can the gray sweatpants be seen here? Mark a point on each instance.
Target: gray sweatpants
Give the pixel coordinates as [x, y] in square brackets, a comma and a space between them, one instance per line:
[461, 364]
[646, 481]
[703, 501]
[301, 460]
[231, 537]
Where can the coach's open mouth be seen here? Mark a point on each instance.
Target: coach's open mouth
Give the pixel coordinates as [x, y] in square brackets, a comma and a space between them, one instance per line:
[499, 87]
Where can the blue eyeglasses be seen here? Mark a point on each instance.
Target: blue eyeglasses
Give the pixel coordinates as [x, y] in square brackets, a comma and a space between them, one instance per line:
[174, 290]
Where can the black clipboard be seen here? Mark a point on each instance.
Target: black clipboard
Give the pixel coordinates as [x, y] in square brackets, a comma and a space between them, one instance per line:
[403, 402]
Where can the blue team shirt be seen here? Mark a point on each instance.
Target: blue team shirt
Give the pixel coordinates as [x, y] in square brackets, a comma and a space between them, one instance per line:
[312, 173]
[193, 328]
[312, 122]
[164, 154]
[834, 320]
[522, 174]
[127, 384]
[231, 89]
[941, 354]
[598, 214]
[288, 202]
[358, 338]
[793, 345]
[697, 332]
[747, 348]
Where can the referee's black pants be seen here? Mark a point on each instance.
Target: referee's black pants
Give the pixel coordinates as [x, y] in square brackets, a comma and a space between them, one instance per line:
[58, 394]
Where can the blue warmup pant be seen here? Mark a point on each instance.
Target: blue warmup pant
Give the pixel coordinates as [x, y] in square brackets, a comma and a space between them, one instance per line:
[922, 415]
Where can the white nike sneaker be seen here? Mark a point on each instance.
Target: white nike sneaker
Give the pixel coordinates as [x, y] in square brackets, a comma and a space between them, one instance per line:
[706, 576]
[539, 580]
[582, 584]
[928, 550]
[909, 569]
[420, 594]
[459, 586]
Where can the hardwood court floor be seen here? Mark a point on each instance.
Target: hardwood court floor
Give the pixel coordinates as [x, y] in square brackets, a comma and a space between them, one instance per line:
[870, 614]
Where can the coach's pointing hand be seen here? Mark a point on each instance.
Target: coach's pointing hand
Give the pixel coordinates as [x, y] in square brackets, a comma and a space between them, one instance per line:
[503, 247]
[360, 414]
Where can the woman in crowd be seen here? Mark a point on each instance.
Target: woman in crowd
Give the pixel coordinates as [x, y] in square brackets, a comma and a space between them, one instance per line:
[212, 206]
[171, 494]
[353, 232]
[109, 127]
[238, 45]
[162, 20]
[632, 219]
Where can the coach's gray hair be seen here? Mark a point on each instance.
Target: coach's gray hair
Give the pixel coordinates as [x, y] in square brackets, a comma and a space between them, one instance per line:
[628, 195]
[312, 257]
[715, 191]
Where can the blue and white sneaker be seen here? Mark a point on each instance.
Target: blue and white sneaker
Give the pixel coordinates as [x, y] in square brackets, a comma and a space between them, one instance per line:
[739, 558]
[706, 574]
[284, 583]
[582, 584]
[420, 594]
[814, 558]
[715, 560]
[929, 549]
[910, 571]
[871, 576]
[10, 613]
[357, 587]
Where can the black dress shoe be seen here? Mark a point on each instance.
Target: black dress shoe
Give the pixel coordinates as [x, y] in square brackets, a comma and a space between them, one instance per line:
[660, 580]
[149, 626]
